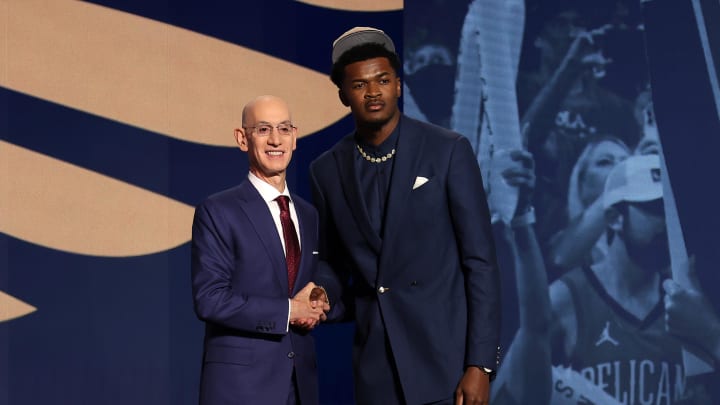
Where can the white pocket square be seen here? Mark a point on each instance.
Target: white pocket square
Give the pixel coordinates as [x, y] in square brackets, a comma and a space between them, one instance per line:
[419, 181]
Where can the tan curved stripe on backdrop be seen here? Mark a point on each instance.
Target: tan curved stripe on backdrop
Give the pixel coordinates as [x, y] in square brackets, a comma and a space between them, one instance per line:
[150, 74]
[11, 307]
[357, 5]
[62, 206]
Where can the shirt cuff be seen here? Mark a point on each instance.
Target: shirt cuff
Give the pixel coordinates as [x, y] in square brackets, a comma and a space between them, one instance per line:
[287, 324]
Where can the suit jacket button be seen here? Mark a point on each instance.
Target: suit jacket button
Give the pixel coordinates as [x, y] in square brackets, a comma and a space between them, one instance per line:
[383, 290]
[291, 355]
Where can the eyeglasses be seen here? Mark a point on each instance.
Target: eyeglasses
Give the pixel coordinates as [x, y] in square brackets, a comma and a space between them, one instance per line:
[266, 129]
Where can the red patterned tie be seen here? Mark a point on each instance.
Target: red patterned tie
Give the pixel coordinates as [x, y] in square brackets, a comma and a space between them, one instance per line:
[292, 247]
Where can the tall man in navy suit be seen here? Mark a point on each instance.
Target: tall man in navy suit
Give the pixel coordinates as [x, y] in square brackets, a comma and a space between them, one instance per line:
[254, 252]
[405, 227]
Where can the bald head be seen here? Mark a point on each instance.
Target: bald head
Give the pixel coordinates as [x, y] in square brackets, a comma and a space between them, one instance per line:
[261, 103]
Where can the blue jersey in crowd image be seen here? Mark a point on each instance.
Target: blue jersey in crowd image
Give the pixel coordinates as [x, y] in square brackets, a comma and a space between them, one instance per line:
[601, 296]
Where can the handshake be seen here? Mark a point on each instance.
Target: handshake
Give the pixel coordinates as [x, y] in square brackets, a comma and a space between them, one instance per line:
[309, 307]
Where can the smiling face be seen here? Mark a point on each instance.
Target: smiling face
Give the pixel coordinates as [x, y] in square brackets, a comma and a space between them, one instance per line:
[268, 155]
[371, 88]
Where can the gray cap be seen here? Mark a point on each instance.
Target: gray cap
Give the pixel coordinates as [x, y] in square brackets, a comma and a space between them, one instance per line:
[636, 179]
[359, 36]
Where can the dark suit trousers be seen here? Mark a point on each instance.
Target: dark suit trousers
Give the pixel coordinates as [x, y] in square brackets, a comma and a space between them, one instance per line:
[293, 395]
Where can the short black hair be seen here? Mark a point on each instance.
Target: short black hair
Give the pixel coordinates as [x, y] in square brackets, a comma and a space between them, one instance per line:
[360, 53]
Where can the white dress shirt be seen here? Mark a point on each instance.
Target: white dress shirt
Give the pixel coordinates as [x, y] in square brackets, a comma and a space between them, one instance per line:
[269, 194]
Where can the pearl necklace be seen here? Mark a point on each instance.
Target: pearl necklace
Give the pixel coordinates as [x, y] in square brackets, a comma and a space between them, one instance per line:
[374, 159]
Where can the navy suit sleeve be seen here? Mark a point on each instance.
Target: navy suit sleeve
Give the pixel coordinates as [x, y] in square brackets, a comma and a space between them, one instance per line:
[471, 222]
[215, 273]
[327, 271]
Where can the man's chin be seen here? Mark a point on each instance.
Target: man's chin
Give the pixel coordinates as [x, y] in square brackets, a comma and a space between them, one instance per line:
[373, 123]
[270, 172]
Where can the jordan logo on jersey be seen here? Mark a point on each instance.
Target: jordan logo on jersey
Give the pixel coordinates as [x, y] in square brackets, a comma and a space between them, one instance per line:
[605, 336]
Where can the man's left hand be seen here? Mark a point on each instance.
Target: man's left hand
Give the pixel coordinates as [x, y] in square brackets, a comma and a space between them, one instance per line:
[474, 388]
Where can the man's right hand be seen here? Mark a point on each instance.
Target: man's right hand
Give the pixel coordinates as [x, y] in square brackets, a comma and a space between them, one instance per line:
[318, 295]
[308, 306]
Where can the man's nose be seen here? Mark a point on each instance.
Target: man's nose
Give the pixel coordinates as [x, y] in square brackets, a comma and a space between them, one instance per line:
[274, 138]
[373, 90]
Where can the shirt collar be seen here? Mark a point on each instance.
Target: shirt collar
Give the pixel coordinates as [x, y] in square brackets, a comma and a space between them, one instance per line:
[267, 192]
[385, 147]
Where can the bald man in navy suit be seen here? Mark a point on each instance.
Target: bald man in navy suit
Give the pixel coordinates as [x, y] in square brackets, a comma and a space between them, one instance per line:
[252, 271]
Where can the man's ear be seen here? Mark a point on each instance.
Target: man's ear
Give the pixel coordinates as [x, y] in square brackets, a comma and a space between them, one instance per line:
[241, 139]
[343, 99]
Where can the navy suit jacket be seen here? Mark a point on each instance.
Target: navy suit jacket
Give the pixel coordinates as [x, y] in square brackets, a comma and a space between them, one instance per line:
[431, 284]
[240, 290]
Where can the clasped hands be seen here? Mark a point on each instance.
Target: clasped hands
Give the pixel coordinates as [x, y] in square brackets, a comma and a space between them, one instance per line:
[309, 307]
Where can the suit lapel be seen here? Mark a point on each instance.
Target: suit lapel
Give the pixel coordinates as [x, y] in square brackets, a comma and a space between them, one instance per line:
[409, 150]
[345, 158]
[306, 246]
[259, 215]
